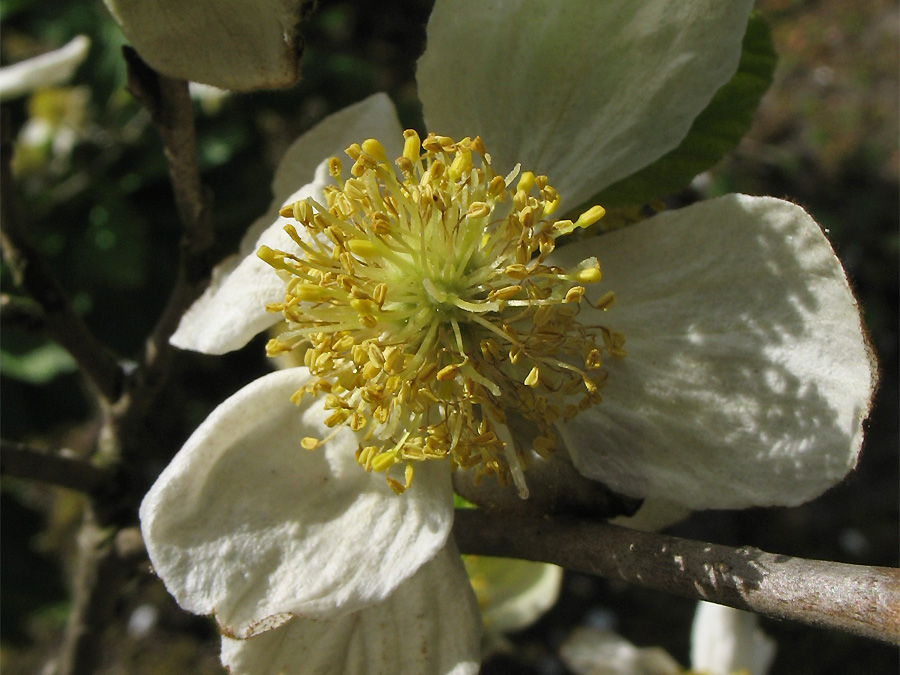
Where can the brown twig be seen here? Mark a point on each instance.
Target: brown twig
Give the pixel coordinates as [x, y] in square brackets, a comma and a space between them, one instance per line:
[169, 103]
[21, 311]
[851, 598]
[30, 272]
[24, 461]
[102, 569]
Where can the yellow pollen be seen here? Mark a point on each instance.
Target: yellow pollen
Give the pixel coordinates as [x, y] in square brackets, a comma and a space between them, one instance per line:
[425, 308]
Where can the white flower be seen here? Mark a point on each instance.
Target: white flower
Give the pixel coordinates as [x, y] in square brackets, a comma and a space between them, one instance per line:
[746, 381]
[592, 651]
[46, 70]
[230, 44]
[724, 641]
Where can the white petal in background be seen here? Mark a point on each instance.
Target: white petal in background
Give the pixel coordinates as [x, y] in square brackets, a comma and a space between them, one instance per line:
[725, 640]
[232, 310]
[591, 651]
[246, 523]
[586, 92]
[512, 594]
[231, 44]
[748, 374]
[46, 70]
[429, 625]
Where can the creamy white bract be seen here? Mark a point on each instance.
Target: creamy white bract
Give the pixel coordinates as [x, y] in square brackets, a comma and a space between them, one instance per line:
[746, 380]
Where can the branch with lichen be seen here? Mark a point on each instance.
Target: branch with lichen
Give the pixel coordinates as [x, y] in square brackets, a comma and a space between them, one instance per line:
[24, 461]
[856, 599]
[169, 103]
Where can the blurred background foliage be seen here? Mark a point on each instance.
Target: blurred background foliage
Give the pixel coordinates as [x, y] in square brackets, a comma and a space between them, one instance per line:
[93, 181]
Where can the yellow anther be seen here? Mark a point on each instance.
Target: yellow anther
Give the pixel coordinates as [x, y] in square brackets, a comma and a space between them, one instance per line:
[533, 377]
[551, 199]
[593, 360]
[363, 248]
[393, 359]
[379, 294]
[516, 271]
[383, 461]
[526, 182]
[574, 294]
[526, 217]
[407, 168]
[448, 372]
[562, 227]
[364, 306]
[614, 341]
[354, 151]
[308, 292]
[460, 165]
[396, 487]
[343, 343]
[334, 168]
[273, 258]
[357, 421]
[412, 145]
[375, 355]
[375, 149]
[309, 443]
[588, 272]
[505, 293]
[435, 171]
[497, 187]
[591, 216]
[446, 143]
[478, 210]
[606, 300]
[337, 417]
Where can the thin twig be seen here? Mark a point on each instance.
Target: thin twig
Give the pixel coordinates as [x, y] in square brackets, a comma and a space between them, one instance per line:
[851, 598]
[30, 272]
[21, 311]
[169, 103]
[101, 569]
[98, 580]
[24, 461]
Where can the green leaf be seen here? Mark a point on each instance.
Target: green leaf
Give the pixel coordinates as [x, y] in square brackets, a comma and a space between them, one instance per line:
[715, 132]
[38, 366]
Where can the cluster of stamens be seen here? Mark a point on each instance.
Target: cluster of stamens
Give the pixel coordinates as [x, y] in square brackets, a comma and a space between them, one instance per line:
[424, 308]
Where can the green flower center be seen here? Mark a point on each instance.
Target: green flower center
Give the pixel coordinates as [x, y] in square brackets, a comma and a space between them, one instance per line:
[424, 308]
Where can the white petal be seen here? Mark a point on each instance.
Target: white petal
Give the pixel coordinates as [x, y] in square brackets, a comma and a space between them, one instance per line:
[246, 523]
[232, 310]
[46, 70]
[232, 44]
[653, 515]
[591, 651]
[430, 625]
[585, 92]
[725, 640]
[748, 374]
[513, 594]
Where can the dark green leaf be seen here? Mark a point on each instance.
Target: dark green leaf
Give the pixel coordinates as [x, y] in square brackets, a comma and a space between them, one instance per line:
[715, 132]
